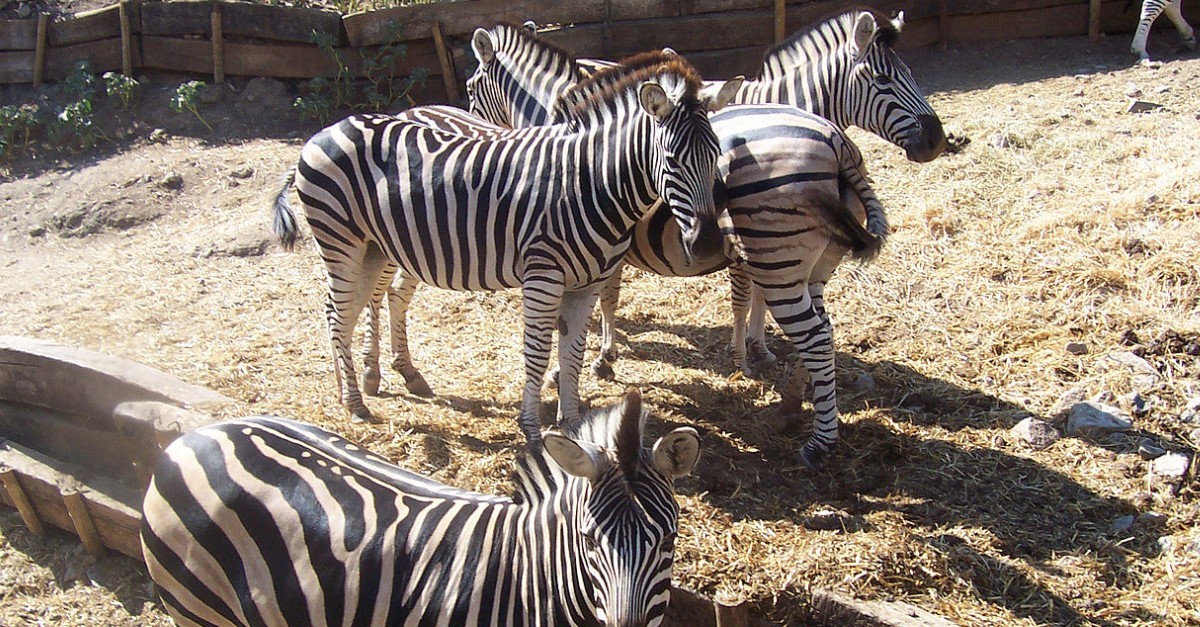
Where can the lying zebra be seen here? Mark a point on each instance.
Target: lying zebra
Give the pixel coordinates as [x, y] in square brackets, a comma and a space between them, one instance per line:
[1151, 9]
[266, 521]
[793, 183]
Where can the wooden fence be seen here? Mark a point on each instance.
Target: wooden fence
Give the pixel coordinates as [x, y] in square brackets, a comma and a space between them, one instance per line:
[721, 37]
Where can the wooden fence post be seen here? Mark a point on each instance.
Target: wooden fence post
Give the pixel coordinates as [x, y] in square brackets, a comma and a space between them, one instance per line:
[21, 500]
[449, 76]
[126, 38]
[39, 50]
[943, 25]
[85, 527]
[1094, 19]
[218, 45]
[780, 21]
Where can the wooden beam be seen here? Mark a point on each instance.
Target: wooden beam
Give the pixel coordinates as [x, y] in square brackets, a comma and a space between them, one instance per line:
[1094, 19]
[21, 501]
[449, 76]
[780, 21]
[218, 45]
[943, 25]
[39, 53]
[126, 39]
[85, 528]
[737, 615]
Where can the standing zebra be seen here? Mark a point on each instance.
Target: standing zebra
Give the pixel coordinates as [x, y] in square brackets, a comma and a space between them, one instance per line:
[1151, 9]
[547, 209]
[266, 521]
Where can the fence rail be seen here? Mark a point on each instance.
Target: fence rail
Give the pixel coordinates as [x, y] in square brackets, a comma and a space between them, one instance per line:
[721, 37]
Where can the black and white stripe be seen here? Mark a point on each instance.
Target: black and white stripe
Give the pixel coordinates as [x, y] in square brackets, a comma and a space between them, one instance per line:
[547, 209]
[266, 521]
[1151, 9]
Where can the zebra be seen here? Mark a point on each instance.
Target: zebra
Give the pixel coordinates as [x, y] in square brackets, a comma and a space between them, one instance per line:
[818, 177]
[1151, 9]
[547, 209]
[268, 521]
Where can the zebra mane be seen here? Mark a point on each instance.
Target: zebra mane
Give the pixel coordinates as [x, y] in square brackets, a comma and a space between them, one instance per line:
[787, 52]
[521, 42]
[616, 429]
[598, 90]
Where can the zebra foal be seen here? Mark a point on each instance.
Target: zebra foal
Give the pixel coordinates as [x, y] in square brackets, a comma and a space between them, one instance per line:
[547, 209]
[266, 521]
[1151, 9]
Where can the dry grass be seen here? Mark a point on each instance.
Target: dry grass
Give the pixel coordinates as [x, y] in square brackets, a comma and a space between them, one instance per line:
[1082, 229]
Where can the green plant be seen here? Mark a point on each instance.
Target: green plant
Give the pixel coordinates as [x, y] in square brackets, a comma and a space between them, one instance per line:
[80, 82]
[75, 121]
[187, 98]
[122, 87]
[18, 121]
[382, 91]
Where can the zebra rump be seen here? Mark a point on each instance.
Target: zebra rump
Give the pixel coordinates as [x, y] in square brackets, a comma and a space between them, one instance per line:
[267, 521]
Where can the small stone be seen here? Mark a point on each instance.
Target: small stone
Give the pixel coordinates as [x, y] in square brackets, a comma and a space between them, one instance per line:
[1195, 435]
[1132, 90]
[242, 173]
[1148, 450]
[173, 181]
[1144, 375]
[1037, 433]
[1191, 413]
[1151, 518]
[1170, 466]
[1138, 406]
[158, 136]
[1077, 348]
[37, 230]
[1129, 338]
[1095, 421]
[1122, 523]
[1162, 89]
[1068, 400]
[864, 382]
[1166, 544]
[1142, 106]
[24, 10]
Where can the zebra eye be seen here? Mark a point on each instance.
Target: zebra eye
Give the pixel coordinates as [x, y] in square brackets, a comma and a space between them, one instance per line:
[589, 540]
[667, 545]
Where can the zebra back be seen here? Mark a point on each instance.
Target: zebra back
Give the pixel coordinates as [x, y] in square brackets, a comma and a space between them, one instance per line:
[844, 68]
[269, 521]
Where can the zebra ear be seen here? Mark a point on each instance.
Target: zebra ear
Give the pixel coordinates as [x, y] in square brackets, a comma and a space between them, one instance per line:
[676, 453]
[670, 52]
[483, 45]
[864, 33]
[654, 100]
[715, 97]
[530, 27]
[577, 459]
[898, 22]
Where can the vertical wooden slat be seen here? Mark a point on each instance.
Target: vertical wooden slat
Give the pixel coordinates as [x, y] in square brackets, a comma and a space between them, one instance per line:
[218, 45]
[449, 76]
[1094, 19]
[39, 51]
[85, 528]
[126, 38]
[943, 25]
[780, 21]
[24, 507]
[735, 615]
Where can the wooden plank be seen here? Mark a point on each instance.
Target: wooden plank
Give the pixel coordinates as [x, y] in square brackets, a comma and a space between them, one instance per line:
[18, 34]
[780, 21]
[1094, 19]
[60, 436]
[1060, 21]
[449, 77]
[20, 500]
[922, 32]
[16, 67]
[723, 64]
[39, 54]
[101, 55]
[693, 34]
[462, 18]
[175, 18]
[280, 23]
[977, 7]
[115, 509]
[581, 40]
[94, 25]
[218, 45]
[81, 518]
[835, 608]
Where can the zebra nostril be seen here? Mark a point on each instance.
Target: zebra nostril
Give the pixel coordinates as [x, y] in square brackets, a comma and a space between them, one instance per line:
[928, 142]
[704, 241]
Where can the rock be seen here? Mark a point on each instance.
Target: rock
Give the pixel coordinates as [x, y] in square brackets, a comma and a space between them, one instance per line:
[1122, 523]
[1095, 421]
[1077, 348]
[1132, 90]
[1138, 405]
[24, 10]
[37, 230]
[1151, 518]
[247, 245]
[1037, 433]
[1191, 413]
[1068, 400]
[1129, 338]
[1144, 374]
[1148, 450]
[864, 382]
[158, 136]
[173, 181]
[242, 173]
[1170, 466]
[260, 90]
[1142, 106]
[1162, 89]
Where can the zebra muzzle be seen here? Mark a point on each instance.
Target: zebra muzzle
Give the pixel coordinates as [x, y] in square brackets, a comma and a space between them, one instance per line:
[705, 241]
[927, 143]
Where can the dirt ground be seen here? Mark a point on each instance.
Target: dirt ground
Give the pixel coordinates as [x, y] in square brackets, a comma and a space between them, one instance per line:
[1065, 219]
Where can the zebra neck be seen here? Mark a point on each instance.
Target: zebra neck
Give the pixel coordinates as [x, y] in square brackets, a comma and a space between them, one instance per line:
[613, 167]
[795, 86]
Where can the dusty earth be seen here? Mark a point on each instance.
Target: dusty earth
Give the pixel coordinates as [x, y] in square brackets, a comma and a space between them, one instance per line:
[1065, 219]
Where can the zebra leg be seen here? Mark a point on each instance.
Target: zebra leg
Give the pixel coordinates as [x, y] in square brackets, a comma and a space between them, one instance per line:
[1174, 12]
[573, 317]
[756, 335]
[741, 289]
[399, 299]
[813, 339]
[610, 296]
[540, 299]
[1150, 12]
[371, 372]
[351, 283]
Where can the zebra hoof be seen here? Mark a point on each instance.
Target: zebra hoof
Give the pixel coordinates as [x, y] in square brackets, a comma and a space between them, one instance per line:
[758, 355]
[813, 459]
[371, 380]
[364, 415]
[417, 386]
[603, 369]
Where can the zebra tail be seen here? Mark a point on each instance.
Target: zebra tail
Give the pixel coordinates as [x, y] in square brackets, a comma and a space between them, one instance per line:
[284, 223]
[865, 243]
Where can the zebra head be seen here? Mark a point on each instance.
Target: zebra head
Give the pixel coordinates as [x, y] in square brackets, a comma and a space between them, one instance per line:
[518, 76]
[624, 525]
[886, 98]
